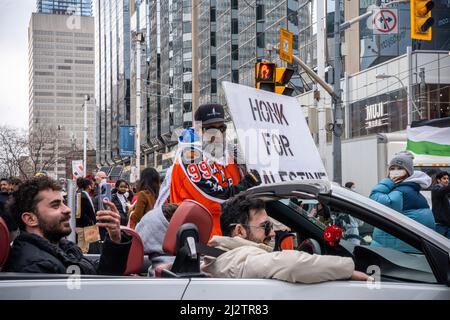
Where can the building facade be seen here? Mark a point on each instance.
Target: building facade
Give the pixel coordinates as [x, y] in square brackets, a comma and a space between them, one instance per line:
[227, 44]
[70, 7]
[112, 75]
[384, 86]
[232, 37]
[61, 73]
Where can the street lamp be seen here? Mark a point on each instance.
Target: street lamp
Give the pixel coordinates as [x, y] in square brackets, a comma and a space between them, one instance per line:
[58, 128]
[410, 101]
[139, 41]
[86, 99]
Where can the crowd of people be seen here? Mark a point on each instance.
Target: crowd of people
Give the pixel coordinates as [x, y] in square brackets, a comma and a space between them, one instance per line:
[241, 227]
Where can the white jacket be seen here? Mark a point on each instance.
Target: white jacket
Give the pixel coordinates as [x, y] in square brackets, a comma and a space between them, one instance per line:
[247, 259]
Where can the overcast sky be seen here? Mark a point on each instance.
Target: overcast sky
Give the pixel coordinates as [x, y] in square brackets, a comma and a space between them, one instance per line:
[14, 18]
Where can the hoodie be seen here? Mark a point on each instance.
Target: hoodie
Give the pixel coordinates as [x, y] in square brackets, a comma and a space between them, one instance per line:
[152, 228]
[420, 178]
[247, 259]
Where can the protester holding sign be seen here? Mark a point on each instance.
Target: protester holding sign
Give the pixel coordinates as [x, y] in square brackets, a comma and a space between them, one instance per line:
[207, 173]
[273, 135]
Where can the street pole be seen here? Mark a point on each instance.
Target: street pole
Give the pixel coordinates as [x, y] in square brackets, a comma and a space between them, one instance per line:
[423, 94]
[321, 61]
[57, 152]
[139, 40]
[307, 69]
[86, 99]
[195, 78]
[338, 120]
[409, 88]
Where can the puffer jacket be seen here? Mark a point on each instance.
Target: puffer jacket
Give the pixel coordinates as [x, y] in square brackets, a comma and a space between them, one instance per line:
[405, 198]
[247, 259]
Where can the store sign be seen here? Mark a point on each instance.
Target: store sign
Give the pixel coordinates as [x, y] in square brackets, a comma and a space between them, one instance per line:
[376, 116]
[379, 114]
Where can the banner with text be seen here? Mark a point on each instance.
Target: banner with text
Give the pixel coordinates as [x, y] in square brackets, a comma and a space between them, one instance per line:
[127, 141]
[77, 169]
[273, 135]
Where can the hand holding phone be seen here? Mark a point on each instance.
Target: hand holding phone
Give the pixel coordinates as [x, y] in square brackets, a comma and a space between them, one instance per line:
[105, 195]
[110, 220]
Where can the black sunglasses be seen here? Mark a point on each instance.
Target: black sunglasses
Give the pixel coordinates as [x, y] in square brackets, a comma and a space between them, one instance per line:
[266, 225]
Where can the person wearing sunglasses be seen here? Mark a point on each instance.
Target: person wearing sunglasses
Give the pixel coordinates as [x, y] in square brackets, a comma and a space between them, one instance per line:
[247, 230]
[204, 171]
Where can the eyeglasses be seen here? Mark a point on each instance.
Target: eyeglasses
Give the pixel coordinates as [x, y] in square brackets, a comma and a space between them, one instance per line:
[266, 225]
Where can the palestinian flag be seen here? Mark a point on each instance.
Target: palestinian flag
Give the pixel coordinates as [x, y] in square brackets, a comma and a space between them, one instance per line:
[430, 137]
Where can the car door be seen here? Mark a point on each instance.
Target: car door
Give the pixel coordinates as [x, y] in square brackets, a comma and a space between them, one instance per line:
[61, 287]
[399, 274]
[270, 289]
[421, 258]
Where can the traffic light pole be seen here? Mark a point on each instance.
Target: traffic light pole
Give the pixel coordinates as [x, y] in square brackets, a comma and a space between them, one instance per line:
[308, 70]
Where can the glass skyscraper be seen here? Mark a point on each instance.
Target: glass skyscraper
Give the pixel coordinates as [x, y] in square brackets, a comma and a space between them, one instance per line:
[69, 7]
[112, 74]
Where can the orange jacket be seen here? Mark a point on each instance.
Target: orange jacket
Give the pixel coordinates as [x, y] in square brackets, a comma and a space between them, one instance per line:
[206, 182]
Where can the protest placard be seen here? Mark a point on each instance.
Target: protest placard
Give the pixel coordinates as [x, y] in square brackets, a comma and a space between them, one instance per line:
[273, 135]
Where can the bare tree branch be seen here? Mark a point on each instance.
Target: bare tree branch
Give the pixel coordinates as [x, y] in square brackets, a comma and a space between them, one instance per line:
[24, 155]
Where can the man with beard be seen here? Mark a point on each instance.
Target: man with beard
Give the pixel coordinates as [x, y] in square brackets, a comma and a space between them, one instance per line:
[43, 218]
[247, 230]
[4, 192]
[207, 173]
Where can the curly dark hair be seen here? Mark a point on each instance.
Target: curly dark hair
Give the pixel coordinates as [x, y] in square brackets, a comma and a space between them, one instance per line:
[237, 210]
[441, 174]
[83, 183]
[25, 198]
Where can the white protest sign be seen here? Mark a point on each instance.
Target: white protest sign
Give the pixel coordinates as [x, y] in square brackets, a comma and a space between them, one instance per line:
[273, 135]
[77, 169]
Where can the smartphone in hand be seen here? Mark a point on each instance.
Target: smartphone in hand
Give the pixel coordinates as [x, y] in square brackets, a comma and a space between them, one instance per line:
[105, 194]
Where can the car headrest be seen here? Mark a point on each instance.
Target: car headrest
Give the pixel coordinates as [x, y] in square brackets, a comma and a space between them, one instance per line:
[4, 242]
[189, 211]
[136, 254]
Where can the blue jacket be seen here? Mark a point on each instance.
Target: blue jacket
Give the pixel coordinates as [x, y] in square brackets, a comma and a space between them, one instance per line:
[405, 198]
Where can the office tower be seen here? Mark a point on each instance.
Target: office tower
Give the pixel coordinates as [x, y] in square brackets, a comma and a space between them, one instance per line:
[67, 7]
[112, 74]
[61, 73]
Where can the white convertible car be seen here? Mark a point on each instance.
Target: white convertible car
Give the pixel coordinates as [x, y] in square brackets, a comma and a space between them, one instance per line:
[423, 273]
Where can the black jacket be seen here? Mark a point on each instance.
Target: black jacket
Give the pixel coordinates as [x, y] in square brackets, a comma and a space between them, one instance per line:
[87, 212]
[4, 196]
[123, 213]
[33, 254]
[12, 225]
[440, 204]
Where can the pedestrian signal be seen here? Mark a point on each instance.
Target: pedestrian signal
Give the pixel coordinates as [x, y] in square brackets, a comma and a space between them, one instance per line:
[283, 76]
[265, 76]
[421, 19]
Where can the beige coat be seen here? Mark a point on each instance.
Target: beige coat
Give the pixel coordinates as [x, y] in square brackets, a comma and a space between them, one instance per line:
[247, 259]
